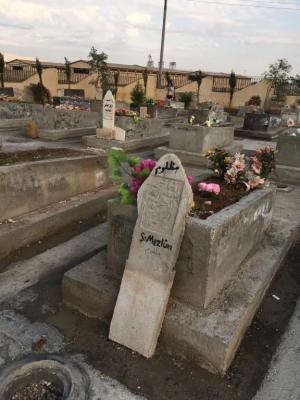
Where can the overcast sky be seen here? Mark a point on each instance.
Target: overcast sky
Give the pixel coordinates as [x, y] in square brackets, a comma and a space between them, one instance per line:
[210, 37]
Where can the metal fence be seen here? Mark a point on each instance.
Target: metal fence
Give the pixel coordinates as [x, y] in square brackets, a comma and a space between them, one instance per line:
[221, 84]
[18, 75]
[288, 89]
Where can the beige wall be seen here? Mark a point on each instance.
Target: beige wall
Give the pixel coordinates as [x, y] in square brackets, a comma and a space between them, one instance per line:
[50, 79]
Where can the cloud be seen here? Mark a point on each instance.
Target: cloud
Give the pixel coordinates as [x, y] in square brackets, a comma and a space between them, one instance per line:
[208, 36]
[139, 19]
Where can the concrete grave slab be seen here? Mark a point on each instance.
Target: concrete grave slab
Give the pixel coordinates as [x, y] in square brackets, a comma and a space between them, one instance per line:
[209, 337]
[164, 201]
[199, 139]
[193, 158]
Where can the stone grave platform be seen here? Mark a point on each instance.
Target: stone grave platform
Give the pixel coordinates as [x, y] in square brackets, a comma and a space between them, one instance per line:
[260, 126]
[128, 145]
[193, 158]
[63, 134]
[270, 134]
[288, 160]
[191, 142]
[210, 336]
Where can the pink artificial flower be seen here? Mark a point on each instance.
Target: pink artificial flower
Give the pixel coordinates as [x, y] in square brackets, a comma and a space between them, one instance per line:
[190, 179]
[147, 164]
[137, 169]
[256, 165]
[202, 186]
[209, 187]
[290, 122]
[213, 188]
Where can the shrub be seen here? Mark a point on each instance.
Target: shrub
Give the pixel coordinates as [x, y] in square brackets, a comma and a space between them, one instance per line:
[186, 98]
[137, 95]
[254, 101]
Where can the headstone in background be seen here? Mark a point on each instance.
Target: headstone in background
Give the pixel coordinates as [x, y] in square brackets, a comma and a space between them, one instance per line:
[164, 201]
[143, 112]
[256, 122]
[109, 130]
[109, 111]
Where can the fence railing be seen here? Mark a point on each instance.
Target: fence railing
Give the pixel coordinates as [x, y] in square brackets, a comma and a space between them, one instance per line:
[221, 84]
[177, 79]
[75, 77]
[18, 75]
[288, 89]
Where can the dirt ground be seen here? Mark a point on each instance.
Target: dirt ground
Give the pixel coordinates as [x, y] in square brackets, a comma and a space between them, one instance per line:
[36, 155]
[165, 377]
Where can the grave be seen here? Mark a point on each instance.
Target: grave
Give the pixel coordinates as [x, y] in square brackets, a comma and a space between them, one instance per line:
[109, 130]
[260, 126]
[191, 142]
[287, 114]
[288, 158]
[224, 267]
[130, 134]
[164, 201]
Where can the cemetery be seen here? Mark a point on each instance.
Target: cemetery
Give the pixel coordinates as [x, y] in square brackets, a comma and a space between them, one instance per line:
[145, 253]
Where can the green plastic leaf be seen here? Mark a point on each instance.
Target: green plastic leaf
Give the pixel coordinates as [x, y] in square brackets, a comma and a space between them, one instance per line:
[127, 197]
[115, 157]
[134, 161]
[144, 173]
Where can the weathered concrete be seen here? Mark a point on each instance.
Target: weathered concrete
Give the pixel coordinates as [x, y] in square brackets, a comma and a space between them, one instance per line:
[25, 274]
[120, 231]
[18, 337]
[282, 380]
[127, 145]
[192, 158]
[164, 201]
[59, 134]
[256, 121]
[199, 139]
[208, 256]
[288, 151]
[209, 337]
[287, 174]
[269, 134]
[50, 118]
[37, 225]
[142, 128]
[28, 186]
[90, 288]
[13, 127]
[212, 337]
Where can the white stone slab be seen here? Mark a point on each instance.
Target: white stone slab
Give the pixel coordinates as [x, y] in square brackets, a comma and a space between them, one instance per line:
[109, 111]
[164, 201]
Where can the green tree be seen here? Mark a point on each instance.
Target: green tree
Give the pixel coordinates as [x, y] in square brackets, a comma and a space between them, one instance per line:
[186, 98]
[2, 68]
[145, 79]
[278, 76]
[198, 77]
[68, 71]
[232, 85]
[99, 65]
[41, 93]
[39, 70]
[137, 95]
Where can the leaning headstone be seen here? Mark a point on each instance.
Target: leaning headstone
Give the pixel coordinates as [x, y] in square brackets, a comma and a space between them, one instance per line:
[164, 201]
[109, 130]
[143, 112]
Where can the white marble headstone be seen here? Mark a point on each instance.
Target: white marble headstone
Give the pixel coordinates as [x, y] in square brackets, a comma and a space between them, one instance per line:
[164, 201]
[109, 111]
